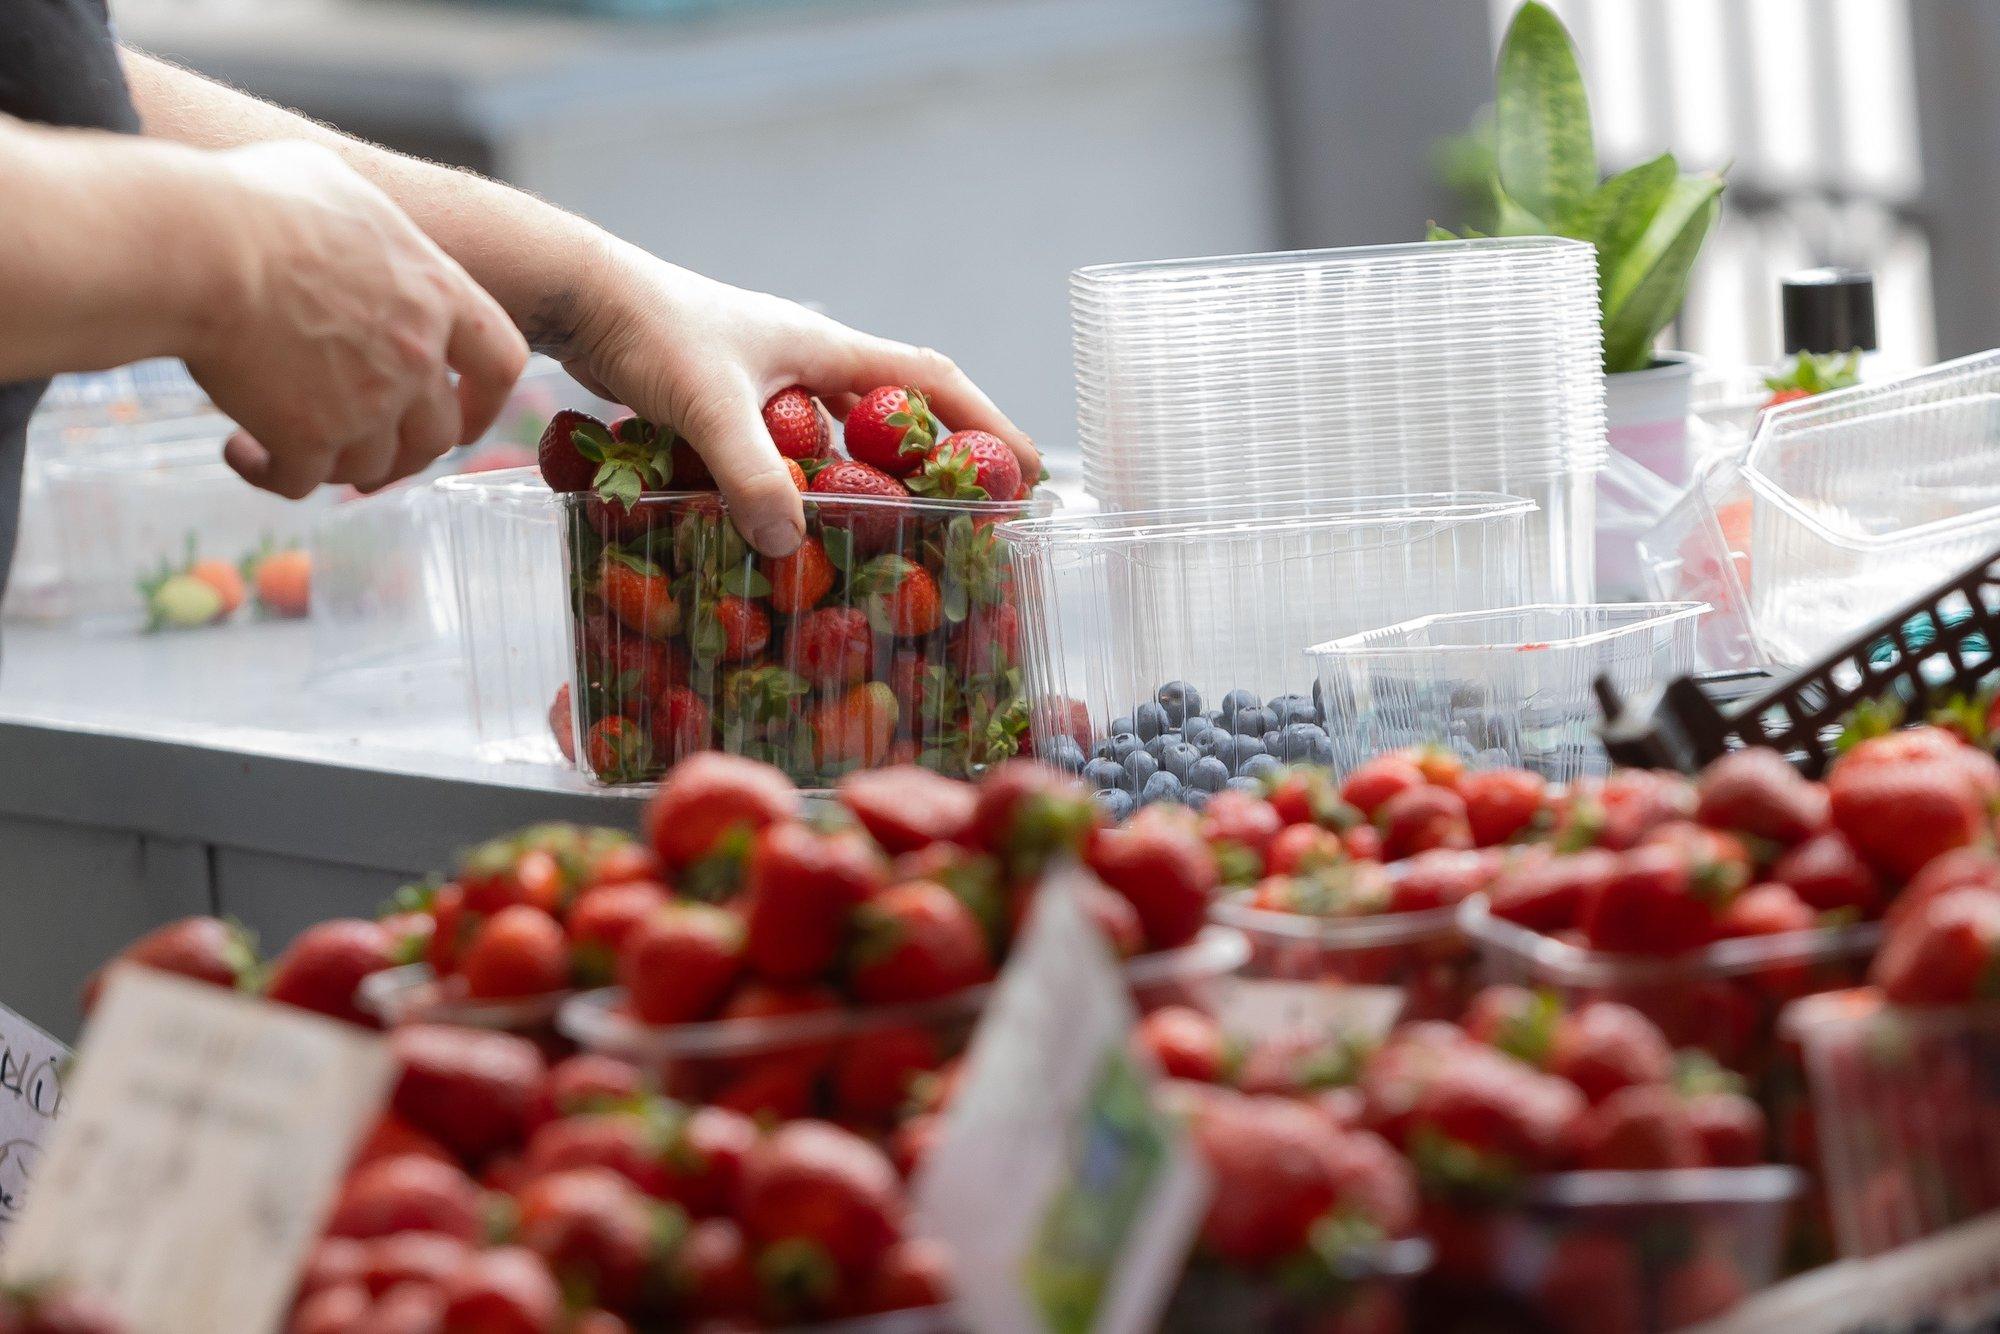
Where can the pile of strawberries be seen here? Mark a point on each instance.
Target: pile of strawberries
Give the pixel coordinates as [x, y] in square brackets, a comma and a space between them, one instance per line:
[890, 635]
[196, 592]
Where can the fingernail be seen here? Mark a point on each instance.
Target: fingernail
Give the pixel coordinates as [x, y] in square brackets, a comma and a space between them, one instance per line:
[776, 538]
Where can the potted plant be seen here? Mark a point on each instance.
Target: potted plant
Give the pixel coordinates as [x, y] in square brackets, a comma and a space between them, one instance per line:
[1648, 224]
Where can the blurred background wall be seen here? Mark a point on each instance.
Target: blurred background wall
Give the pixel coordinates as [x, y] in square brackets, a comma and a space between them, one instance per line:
[932, 169]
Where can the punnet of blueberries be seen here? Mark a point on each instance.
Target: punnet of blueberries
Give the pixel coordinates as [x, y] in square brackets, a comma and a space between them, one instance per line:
[1176, 747]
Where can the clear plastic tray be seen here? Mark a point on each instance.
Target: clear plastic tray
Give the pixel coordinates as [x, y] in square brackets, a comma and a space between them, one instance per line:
[1511, 685]
[909, 653]
[1699, 551]
[1907, 1107]
[1423, 954]
[411, 994]
[1116, 605]
[1863, 494]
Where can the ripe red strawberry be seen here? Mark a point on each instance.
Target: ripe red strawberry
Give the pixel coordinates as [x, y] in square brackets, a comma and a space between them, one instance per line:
[907, 808]
[914, 1275]
[1421, 819]
[424, 1258]
[602, 918]
[1440, 878]
[876, 1068]
[1899, 816]
[1272, 1162]
[565, 465]
[1379, 779]
[1116, 918]
[710, 797]
[584, 1082]
[915, 942]
[901, 596]
[206, 949]
[1623, 808]
[1945, 953]
[1302, 848]
[639, 594]
[1964, 868]
[519, 951]
[626, 1141]
[592, 1229]
[617, 749]
[1027, 812]
[815, 1184]
[1514, 1020]
[1184, 1043]
[1503, 1111]
[1729, 1126]
[322, 970]
[800, 580]
[1604, 1046]
[833, 646]
[1501, 803]
[969, 465]
[333, 1260]
[678, 964]
[803, 889]
[505, 1289]
[635, 671]
[1642, 1128]
[855, 729]
[1161, 865]
[1829, 876]
[471, 1090]
[1765, 910]
[688, 470]
[679, 725]
[1755, 792]
[1545, 893]
[797, 426]
[562, 723]
[746, 628]
[1651, 906]
[892, 429]
[873, 519]
[406, 1194]
[1241, 827]
[1596, 1273]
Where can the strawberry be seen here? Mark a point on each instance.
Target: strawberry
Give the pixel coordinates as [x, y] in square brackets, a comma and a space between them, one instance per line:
[507, 1290]
[583, 1082]
[524, 867]
[914, 1275]
[872, 520]
[1899, 816]
[1379, 779]
[678, 964]
[800, 580]
[425, 1258]
[832, 647]
[593, 1231]
[797, 426]
[1811, 373]
[617, 750]
[1963, 868]
[1420, 819]
[519, 951]
[1729, 1126]
[1756, 793]
[1240, 828]
[714, 1275]
[625, 1141]
[1604, 1046]
[679, 725]
[283, 581]
[1272, 1162]
[639, 594]
[1828, 875]
[1513, 1118]
[1545, 893]
[1617, 811]
[1166, 872]
[901, 597]
[687, 470]
[1501, 803]
[855, 729]
[206, 949]
[406, 1194]
[969, 465]
[1765, 910]
[803, 888]
[1184, 1043]
[915, 942]
[331, 1261]
[906, 808]
[1515, 1020]
[1026, 813]
[1595, 1278]
[1303, 848]
[1439, 878]
[1641, 1128]
[892, 429]
[710, 798]
[471, 1090]
[224, 578]
[814, 1184]
[1116, 918]
[1650, 906]
[1945, 953]
[562, 723]
[565, 464]
[876, 1068]
[746, 628]
[323, 968]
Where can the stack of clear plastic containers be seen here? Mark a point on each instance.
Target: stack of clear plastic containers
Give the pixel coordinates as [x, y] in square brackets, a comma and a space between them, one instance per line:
[1223, 599]
[1506, 686]
[1320, 375]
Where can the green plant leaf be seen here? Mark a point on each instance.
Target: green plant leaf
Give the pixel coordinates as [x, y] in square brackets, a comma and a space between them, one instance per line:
[1647, 288]
[1544, 155]
[1433, 232]
[1614, 216]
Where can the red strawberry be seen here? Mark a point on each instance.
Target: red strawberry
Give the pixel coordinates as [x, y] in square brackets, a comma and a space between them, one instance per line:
[1500, 1109]
[1440, 878]
[876, 1068]
[1303, 847]
[1829, 876]
[424, 1258]
[969, 465]
[1027, 812]
[1730, 1127]
[1945, 953]
[1379, 779]
[678, 964]
[507, 1290]
[331, 1261]
[714, 1274]
[1595, 1276]
[206, 949]
[873, 518]
[617, 750]
[1642, 1128]
[1514, 1020]
[323, 968]
[1963, 868]
[587, 1080]
[1421, 819]
[1184, 1043]
[1765, 910]
[917, 941]
[406, 1194]
[1900, 815]
[833, 646]
[470, 1090]
[1242, 826]
[907, 808]
[803, 888]
[797, 426]
[519, 951]
[1164, 869]
[892, 429]
[627, 1142]
[1501, 803]
[1546, 893]
[800, 580]
[592, 1229]
[813, 1183]
[680, 725]
[1605, 1046]
[565, 466]
[1651, 906]
[688, 470]
[562, 723]
[1618, 811]
[1273, 1166]
[855, 729]
[602, 918]
[710, 797]
[902, 597]
[746, 628]
[914, 1275]
[1114, 916]
[1755, 792]
[639, 594]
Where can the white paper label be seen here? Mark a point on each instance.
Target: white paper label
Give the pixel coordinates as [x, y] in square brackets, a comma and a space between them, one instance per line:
[1067, 1196]
[31, 1093]
[1274, 1007]
[202, 1136]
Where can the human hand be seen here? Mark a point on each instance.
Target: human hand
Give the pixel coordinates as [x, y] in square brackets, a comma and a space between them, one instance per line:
[703, 357]
[334, 324]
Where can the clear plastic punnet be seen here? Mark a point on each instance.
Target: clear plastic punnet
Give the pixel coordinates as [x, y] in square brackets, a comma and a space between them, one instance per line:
[382, 603]
[1179, 631]
[1506, 686]
[1698, 550]
[1863, 494]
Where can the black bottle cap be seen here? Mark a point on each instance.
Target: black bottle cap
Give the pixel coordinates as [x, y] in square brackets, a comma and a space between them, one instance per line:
[1829, 310]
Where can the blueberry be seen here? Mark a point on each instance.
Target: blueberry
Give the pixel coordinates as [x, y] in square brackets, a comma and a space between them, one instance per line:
[1124, 744]
[1194, 798]
[1158, 745]
[1261, 767]
[1246, 749]
[1295, 742]
[1250, 785]
[1214, 716]
[1222, 745]
[1141, 766]
[1194, 729]
[1178, 758]
[1065, 754]
[1160, 787]
[1252, 721]
[1293, 709]
[1322, 750]
[1123, 725]
[1237, 700]
[1270, 740]
[1179, 699]
[1150, 720]
[1115, 804]
[1207, 774]
[1106, 775]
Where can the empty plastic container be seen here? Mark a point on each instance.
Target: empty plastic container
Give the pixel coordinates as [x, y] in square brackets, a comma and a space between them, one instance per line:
[382, 592]
[1698, 550]
[1511, 685]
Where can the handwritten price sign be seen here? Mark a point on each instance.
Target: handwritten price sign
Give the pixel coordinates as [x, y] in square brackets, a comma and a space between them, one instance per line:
[31, 1094]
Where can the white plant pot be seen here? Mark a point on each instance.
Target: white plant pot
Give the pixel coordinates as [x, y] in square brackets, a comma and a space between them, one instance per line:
[1646, 416]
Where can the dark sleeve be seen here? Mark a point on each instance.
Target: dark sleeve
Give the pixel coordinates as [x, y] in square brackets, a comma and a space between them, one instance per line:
[59, 65]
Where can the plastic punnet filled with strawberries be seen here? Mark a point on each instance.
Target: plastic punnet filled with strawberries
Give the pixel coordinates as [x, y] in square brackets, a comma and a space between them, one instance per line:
[890, 635]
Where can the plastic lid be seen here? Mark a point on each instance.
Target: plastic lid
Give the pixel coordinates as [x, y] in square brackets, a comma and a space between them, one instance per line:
[1829, 310]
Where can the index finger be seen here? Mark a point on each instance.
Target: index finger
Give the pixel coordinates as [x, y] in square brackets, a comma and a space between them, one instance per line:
[488, 353]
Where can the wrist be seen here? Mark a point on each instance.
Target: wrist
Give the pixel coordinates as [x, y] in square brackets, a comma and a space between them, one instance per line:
[200, 298]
